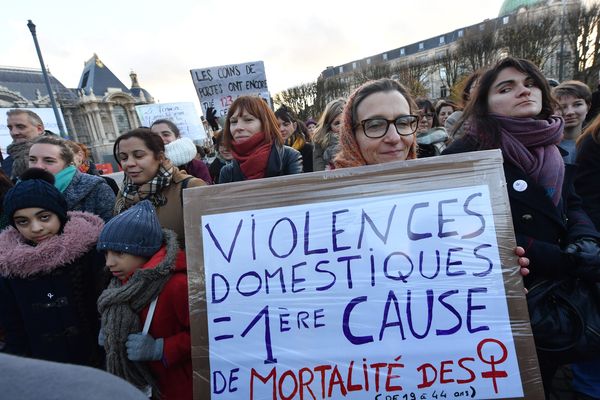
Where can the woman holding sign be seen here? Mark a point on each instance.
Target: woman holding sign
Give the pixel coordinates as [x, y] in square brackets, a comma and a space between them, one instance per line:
[252, 133]
[513, 111]
[379, 125]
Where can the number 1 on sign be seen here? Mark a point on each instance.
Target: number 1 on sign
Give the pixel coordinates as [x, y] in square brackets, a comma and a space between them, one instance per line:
[263, 313]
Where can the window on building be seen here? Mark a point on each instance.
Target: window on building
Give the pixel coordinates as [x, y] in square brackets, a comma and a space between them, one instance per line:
[385, 56]
[442, 39]
[461, 33]
[85, 79]
[402, 52]
[421, 46]
[123, 124]
[368, 61]
[505, 20]
[353, 64]
[443, 91]
[341, 70]
[481, 27]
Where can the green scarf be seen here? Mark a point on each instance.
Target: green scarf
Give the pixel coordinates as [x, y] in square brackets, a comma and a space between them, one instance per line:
[63, 179]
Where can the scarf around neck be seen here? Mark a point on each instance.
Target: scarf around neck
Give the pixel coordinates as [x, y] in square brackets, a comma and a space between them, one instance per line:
[252, 155]
[119, 306]
[531, 144]
[132, 194]
[63, 179]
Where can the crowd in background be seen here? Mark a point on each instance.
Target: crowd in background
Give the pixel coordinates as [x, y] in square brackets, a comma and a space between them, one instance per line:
[86, 262]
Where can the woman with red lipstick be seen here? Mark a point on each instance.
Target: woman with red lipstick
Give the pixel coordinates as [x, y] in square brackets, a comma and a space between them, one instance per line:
[149, 175]
[252, 133]
[513, 111]
[50, 275]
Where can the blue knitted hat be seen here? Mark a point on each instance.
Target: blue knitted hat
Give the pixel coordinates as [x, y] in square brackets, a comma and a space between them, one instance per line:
[135, 231]
[35, 190]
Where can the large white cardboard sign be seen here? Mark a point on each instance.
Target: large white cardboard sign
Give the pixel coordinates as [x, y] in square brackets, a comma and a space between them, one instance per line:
[359, 288]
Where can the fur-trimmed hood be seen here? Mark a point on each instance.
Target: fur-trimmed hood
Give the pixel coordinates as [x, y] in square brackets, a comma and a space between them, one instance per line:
[18, 259]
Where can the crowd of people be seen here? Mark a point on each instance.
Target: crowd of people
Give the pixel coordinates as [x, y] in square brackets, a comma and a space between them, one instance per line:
[86, 264]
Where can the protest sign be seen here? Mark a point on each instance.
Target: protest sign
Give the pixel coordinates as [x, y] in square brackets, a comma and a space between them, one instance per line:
[218, 87]
[393, 281]
[46, 114]
[182, 114]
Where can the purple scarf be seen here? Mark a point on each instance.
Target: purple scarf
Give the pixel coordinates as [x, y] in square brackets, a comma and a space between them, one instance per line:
[531, 145]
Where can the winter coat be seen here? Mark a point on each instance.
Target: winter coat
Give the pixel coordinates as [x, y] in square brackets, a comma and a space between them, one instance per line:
[323, 157]
[587, 184]
[170, 215]
[197, 169]
[431, 143]
[48, 292]
[283, 160]
[91, 194]
[215, 168]
[171, 321]
[541, 228]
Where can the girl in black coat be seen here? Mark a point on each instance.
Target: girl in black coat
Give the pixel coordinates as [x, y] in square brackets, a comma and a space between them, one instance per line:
[50, 275]
[513, 111]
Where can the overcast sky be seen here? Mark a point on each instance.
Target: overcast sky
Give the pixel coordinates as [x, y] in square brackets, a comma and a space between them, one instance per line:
[163, 40]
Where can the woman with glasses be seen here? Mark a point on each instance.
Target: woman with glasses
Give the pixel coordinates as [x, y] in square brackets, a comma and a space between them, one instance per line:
[378, 125]
[431, 137]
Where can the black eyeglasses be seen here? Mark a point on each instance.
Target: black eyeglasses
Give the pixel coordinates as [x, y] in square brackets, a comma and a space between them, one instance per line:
[375, 128]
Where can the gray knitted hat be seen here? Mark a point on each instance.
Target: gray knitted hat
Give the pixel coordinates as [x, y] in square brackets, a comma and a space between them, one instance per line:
[135, 231]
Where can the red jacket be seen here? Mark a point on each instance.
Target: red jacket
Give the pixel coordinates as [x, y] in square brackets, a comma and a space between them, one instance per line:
[171, 321]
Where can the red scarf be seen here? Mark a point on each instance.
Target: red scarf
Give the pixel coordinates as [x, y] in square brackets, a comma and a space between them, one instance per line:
[252, 155]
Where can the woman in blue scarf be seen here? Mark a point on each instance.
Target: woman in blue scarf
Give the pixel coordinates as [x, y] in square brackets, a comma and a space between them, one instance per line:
[83, 192]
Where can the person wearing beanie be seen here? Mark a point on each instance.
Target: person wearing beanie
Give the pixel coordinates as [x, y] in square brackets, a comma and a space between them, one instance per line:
[311, 125]
[181, 150]
[149, 346]
[150, 175]
[50, 275]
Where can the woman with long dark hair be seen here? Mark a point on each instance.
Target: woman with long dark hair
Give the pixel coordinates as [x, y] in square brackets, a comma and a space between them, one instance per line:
[513, 110]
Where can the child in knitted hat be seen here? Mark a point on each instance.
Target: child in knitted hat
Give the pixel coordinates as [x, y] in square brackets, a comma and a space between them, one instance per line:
[50, 275]
[145, 313]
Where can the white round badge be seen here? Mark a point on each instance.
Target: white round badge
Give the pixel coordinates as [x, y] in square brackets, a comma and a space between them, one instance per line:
[520, 185]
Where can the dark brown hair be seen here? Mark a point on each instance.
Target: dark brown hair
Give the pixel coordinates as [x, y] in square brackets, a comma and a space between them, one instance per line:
[151, 140]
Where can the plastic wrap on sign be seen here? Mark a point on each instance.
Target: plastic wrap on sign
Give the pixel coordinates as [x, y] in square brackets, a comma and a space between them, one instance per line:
[393, 281]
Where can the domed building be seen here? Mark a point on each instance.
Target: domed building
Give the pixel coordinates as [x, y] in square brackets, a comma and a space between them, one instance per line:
[515, 6]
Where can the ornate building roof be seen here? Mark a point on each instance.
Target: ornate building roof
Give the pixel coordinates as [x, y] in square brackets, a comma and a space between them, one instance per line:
[26, 87]
[513, 6]
[97, 78]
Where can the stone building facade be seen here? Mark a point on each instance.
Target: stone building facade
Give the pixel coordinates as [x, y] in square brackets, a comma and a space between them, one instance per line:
[95, 112]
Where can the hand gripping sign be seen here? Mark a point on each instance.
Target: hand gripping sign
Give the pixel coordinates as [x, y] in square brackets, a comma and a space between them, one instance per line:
[395, 281]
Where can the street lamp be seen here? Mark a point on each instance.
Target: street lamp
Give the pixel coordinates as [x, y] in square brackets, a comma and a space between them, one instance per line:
[61, 128]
